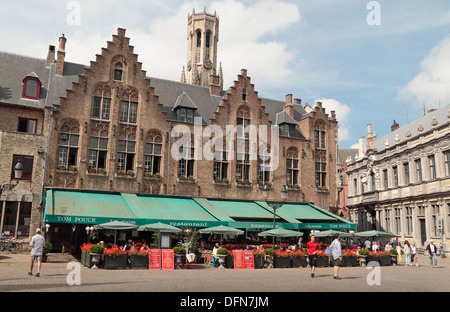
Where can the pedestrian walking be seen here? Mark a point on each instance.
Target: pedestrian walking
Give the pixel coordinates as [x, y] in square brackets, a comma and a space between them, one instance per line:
[37, 246]
[414, 254]
[407, 251]
[313, 248]
[399, 251]
[337, 255]
[432, 250]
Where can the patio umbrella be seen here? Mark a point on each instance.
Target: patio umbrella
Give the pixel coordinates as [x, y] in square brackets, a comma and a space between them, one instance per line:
[221, 229]
[331, 233]
[160, 227]
[116, 225]
[374, 233]
[279, 232]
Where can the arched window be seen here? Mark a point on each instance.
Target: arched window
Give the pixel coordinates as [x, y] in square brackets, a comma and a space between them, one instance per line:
[153, 154]
[199, 38]
[31, 88]
[68, 145]
[208, 39]
[129, 106]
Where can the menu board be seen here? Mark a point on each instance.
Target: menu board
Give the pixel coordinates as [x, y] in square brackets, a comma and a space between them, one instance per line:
[167, 259]
[238, 259]
[154, 257]
[249, 260]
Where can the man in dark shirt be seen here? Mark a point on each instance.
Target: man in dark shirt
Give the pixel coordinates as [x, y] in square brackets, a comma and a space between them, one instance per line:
[313, 248]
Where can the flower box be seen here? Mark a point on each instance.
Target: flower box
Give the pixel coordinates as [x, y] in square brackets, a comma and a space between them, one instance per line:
[322, 261]
[385, 260]
[259, 262]
[299, 262]
[229, 262]
[372, 259]
[139, 261]
[349, 261]
[86, 259]
[115, 262]
[282, 262]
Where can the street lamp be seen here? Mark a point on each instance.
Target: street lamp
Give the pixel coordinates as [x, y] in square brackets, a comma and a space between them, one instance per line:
[89, 230]
[18, 170]
[274, 205]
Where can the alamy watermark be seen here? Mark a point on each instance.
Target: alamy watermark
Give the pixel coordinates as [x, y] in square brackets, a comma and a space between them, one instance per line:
[374, 16]
[74, 16]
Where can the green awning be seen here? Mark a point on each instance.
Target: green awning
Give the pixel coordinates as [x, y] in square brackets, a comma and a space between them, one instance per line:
[76, 207]
[95, 207]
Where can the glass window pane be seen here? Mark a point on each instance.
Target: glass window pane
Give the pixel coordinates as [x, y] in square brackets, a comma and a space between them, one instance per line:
[96, 107]
[31, 88]
[131, 145]
[124, 111]
[157, 149]
[106, 108]
[122, 145]
[133, 112]
[149, 148]
[31, 126]
[93, 142]
[103, 143]
[64, 139]
[74, 140]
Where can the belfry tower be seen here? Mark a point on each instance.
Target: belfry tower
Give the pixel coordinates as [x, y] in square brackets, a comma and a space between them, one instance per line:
[202, 36]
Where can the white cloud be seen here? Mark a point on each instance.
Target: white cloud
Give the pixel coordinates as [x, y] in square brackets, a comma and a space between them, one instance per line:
[342, 115]
[432, 84]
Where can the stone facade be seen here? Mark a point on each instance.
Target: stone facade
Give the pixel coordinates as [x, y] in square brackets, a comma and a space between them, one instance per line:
[110, 127]
[401, 184]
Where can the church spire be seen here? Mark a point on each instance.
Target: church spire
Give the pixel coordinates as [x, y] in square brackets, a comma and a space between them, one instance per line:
[183, 76]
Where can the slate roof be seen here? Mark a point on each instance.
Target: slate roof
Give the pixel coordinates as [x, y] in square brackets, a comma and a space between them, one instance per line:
[14, 68]
[400, 135]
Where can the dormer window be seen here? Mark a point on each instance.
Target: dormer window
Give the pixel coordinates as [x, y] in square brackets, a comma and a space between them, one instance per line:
[287, 130]
[31, 88]
[185, 114]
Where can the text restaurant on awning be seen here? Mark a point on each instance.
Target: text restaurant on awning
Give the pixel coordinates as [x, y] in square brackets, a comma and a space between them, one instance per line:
[96, 207]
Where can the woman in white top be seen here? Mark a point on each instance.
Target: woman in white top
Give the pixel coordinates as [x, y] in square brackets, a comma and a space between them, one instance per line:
[407, 251]
[414, 254]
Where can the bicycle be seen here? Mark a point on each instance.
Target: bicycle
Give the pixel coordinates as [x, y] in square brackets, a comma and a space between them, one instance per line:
[12, 245]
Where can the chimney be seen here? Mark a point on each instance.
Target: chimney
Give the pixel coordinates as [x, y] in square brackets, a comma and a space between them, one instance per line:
[61, 55]
[289, 108]
[298, 101]
[394, 126]
[369, 136]
[50, 56]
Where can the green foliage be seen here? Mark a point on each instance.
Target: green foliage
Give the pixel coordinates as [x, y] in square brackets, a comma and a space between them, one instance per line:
[48, 247]
[222, 251]
[364, 252]
[393, 252]
[96, 249]
[179, 250]
[269, 251]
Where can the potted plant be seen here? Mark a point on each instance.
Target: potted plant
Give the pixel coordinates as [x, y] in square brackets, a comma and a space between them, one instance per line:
[115, 258]
[282, 259]
[222, 254]
[298, 259]
[85, 255]
[394, 256]
[385, 258]
[258, 256]
[349, 258]
[322, 259]
[363, 254]
[179, 252]
[96, 251]
[373, 256]
[138, 258]
[270, 254]
[48, 247]
[130, 173]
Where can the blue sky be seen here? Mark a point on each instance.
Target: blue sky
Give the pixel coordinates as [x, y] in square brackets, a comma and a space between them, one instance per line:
[316, 50]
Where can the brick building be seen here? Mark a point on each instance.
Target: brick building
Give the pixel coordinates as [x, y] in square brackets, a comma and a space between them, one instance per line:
[110, 127]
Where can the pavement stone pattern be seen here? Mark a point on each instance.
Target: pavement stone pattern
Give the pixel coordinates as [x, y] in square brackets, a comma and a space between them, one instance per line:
[199, 278]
